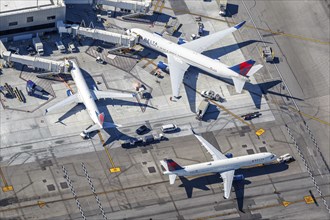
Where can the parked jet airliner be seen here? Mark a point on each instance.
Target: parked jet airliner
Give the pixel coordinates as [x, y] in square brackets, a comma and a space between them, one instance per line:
[180, 57]
[87, 97]
[220, 164]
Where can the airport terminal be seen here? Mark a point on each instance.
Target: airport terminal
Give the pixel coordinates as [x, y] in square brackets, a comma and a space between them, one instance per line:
[164, 109]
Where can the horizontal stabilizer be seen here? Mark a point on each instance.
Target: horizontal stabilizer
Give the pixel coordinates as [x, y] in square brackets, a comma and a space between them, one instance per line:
[239, 84]
[172, 178]
[254, 69]
[95, 127]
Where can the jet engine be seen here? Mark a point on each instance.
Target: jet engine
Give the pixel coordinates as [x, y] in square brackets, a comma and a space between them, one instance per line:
[181, 41]
[163, 66]
[68, 92]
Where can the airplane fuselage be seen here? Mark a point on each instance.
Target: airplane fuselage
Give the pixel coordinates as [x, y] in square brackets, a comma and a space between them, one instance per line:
[158, 43]
[84, 93]
[220, 166]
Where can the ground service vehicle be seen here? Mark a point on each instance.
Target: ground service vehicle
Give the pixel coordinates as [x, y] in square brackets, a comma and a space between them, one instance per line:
[202, 108]
[285, 158]
[38, 46]
[168, 128]
[142, 130]
[60, 46]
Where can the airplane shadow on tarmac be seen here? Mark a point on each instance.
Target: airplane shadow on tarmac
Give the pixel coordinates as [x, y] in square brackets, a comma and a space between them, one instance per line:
[221, 51]
[255, 90]
[202, 182]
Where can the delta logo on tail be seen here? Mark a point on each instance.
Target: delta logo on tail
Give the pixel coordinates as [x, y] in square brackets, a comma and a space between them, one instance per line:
[243, 68]
[172, 165]
[101, 118]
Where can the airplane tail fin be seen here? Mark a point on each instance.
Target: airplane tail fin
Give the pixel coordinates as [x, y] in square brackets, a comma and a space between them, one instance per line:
[104, 124]
[245, 69]
[170, 165]
[100, 116]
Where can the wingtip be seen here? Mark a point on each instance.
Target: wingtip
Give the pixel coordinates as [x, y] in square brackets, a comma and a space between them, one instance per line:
[238, 26]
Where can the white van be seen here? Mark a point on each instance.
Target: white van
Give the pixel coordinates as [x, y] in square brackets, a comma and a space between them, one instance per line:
[168, 128]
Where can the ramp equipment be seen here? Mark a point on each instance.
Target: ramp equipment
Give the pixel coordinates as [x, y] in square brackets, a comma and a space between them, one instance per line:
[267, 53]
[128, 5]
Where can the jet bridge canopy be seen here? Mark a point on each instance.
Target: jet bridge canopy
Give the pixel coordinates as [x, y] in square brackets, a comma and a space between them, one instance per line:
[107, 36]
[133, 6]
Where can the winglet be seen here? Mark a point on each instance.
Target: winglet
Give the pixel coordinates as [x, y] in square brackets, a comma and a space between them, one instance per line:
[238, 26]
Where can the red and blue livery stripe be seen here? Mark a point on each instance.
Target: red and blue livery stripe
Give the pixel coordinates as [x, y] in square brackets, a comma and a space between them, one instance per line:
[172, 165]
[243, 68]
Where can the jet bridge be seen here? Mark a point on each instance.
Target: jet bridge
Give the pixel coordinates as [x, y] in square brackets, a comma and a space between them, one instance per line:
[37, 62]
[106, 36]
[128, 5]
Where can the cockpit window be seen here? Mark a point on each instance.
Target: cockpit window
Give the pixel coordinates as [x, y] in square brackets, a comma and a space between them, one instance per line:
[272, 156]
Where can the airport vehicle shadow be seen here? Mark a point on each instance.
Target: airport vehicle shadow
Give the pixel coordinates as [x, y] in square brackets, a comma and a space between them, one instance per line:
[231, 9]
[202, 182]
[257, 90]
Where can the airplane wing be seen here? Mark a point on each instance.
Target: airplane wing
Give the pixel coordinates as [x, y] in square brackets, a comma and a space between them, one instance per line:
[109, 94]
[69, 100]
[216, 155]
[177, 68]
[203, 43]
[227, 178]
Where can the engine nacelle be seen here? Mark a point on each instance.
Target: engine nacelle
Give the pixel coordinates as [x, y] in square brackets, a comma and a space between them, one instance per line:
[229, 155]
[69, 92]
[239, 177]
[163, 66]
[181, 41]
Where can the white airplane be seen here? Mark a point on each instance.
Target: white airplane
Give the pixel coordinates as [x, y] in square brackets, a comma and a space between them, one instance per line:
[87, 97]
[180, 57]
[222, 164]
